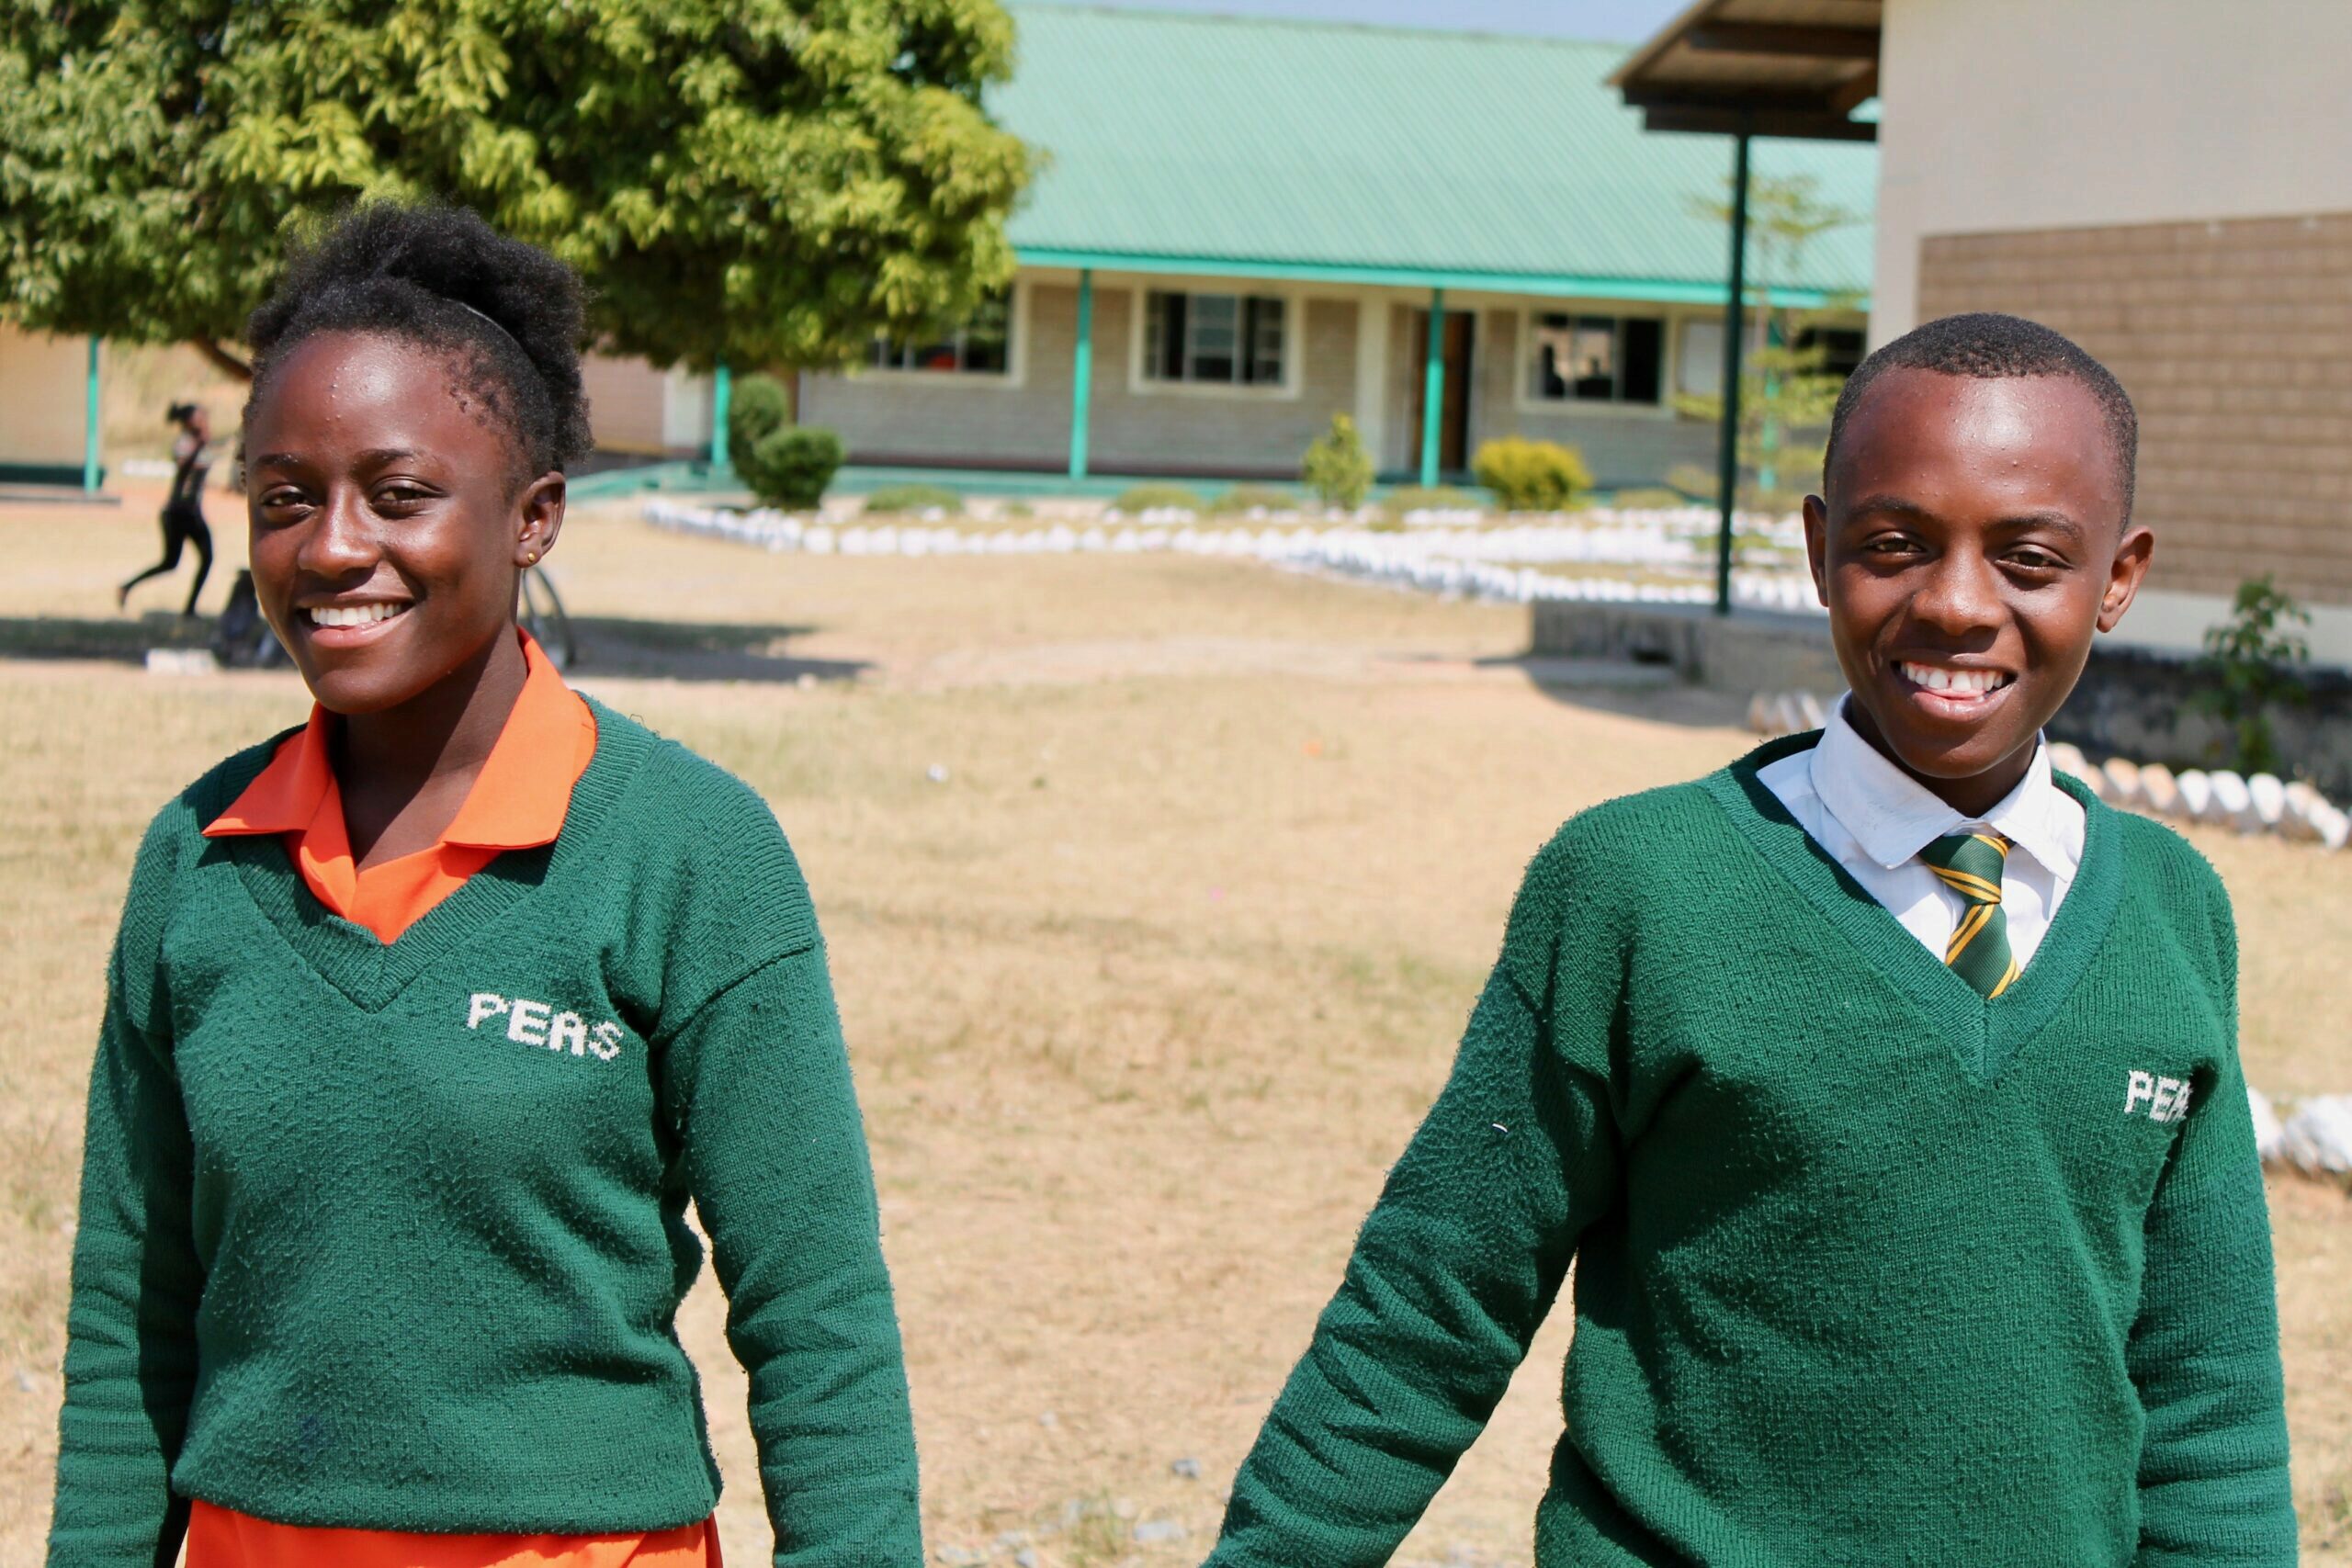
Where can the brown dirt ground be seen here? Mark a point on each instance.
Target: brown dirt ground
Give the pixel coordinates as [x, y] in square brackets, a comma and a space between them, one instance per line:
[1143, 998]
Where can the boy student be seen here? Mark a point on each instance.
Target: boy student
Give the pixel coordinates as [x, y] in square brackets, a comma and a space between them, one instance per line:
[1883, 1087]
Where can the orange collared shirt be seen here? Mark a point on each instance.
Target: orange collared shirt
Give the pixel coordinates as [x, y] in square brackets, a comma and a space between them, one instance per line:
[518, 801]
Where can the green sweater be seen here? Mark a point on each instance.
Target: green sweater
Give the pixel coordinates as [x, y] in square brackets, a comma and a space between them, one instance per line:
[1868, 1269]
[392, 1236]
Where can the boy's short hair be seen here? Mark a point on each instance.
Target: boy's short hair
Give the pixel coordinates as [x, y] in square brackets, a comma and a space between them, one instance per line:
[1991, 346]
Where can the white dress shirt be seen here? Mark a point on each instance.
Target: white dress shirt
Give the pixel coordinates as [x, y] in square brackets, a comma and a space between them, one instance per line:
[1874, 819]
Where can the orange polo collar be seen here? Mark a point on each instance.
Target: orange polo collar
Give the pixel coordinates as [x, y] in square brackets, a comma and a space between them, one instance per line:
[518, 801]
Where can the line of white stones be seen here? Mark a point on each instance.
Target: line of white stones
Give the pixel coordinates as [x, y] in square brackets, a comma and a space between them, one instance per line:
[1497, 563]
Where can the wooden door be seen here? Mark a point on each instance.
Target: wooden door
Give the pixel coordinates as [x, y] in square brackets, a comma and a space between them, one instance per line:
[1454, 399]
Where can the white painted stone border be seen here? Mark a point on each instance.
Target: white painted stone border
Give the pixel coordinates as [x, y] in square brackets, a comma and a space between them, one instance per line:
[2263, 804]
[1493, 563]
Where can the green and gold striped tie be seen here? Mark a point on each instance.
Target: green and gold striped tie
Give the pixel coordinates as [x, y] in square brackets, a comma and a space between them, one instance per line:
[1971, 865]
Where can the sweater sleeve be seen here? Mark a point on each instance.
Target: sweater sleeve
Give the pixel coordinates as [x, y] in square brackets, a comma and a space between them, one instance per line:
[2204, 1350]
[775, 1154]
[1457, 1265]
[130, 1326]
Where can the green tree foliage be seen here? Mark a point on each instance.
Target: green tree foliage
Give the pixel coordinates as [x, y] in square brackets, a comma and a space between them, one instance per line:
[2253, 660]
[1336, 467]
[771, 182]
[1531, 476]
[1785, 397]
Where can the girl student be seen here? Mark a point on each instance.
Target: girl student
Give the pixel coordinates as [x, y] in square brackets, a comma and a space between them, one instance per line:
[183, 514]
[425, 1020]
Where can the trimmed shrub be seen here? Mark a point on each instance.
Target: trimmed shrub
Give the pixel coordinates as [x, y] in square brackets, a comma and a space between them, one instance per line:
[1431, 498]
[790, 468]
[1158, 497]
[1247, 498]
[1531, 476]
[914, 498]
[1336, 467]
[1649, 498]
[757, 407]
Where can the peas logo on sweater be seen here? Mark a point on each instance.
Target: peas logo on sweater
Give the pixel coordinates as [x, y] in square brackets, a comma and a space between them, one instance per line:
[538, 1023]
[2166, 1099]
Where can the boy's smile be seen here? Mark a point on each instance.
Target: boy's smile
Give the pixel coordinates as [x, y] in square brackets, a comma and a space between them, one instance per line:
[1972, 540]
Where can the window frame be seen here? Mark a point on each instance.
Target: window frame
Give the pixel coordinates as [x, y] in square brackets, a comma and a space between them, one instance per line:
[1287, 387]
[1016, 366]
[1524, 357]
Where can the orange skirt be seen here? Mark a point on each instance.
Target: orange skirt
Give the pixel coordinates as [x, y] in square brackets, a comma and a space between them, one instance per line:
[222, 1538]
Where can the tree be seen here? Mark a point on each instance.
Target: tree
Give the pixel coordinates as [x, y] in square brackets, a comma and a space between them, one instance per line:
[766, 182]
[1784, 388]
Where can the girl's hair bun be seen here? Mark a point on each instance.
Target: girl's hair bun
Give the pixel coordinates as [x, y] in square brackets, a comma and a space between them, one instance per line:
[441, 276]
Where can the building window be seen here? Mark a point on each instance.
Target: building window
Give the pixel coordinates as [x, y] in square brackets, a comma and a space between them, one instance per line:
[1596, 359]
[1235, 340]
[1841, 348]
[983, 347]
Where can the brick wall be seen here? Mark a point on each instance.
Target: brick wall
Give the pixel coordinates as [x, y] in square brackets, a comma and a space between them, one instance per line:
[2234, 339]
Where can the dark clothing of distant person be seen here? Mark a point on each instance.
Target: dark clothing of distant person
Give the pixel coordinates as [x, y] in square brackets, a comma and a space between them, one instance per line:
[183, 520]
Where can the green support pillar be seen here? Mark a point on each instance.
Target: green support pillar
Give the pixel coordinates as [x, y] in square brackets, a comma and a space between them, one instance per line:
[722, 399]
[1433, 387]
[90, 426]
[1727, 452]
[1081, 373]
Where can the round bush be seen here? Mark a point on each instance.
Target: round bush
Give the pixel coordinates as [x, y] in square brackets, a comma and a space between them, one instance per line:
[1531, 476]
[757, 406]
[790, 468]
[1158, 497]
[914, 498]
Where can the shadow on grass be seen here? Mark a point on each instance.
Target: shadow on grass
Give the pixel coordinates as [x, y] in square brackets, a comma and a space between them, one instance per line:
[674, 651]
[1655, 692]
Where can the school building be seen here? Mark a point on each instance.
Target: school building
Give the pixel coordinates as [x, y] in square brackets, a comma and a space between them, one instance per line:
[2166, 181]
[1242, 227]
[48, 409]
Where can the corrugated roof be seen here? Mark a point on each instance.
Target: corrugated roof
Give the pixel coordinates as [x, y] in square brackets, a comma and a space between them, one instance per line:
[1306, 149]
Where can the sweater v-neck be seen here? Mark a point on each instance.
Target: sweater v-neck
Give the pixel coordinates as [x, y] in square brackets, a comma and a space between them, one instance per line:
[1985, 1033]
[372, 973]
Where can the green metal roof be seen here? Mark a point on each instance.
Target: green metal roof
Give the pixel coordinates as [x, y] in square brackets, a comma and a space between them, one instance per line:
[1258, 147]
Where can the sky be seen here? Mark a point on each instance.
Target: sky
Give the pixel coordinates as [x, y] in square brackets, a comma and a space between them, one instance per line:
[1628, 21]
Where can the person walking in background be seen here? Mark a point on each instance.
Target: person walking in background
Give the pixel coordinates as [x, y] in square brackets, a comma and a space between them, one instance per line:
[1883, 1089]
[183, 516]
[426, 1020]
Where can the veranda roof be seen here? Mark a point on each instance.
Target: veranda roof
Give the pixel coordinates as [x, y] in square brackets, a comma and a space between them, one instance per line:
[1269, 148]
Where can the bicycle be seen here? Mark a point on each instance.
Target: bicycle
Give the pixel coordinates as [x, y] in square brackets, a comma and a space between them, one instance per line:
[544, 619]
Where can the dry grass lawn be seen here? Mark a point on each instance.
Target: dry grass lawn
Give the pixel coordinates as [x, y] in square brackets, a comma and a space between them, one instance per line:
[1144, 997]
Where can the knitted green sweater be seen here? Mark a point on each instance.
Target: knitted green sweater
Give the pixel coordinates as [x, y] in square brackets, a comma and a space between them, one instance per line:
[1868, 1269]
[392, 1236]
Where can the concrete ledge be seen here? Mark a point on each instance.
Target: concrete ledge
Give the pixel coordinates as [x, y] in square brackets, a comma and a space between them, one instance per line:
[1746, 651]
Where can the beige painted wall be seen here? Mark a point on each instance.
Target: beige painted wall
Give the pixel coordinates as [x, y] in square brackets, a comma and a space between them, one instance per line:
[1023, 418]
[44, 398]
[2009, 115]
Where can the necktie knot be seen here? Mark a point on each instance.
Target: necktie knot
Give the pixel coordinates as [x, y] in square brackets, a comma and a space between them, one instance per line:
[1971, 865]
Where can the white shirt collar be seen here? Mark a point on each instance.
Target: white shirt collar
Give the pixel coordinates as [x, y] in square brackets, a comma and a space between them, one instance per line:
[1893, 816]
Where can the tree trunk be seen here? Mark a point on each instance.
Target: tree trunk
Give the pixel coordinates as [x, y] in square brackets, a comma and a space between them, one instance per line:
[222, 358]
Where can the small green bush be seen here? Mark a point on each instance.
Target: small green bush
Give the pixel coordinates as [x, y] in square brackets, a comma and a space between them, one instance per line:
[1246, 498]
[1431, 498]
[1531, 476]
[1336, 467]
[914, 498]
[1158, 497]
[757, 407]
[1648, 498]
[789, 467]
